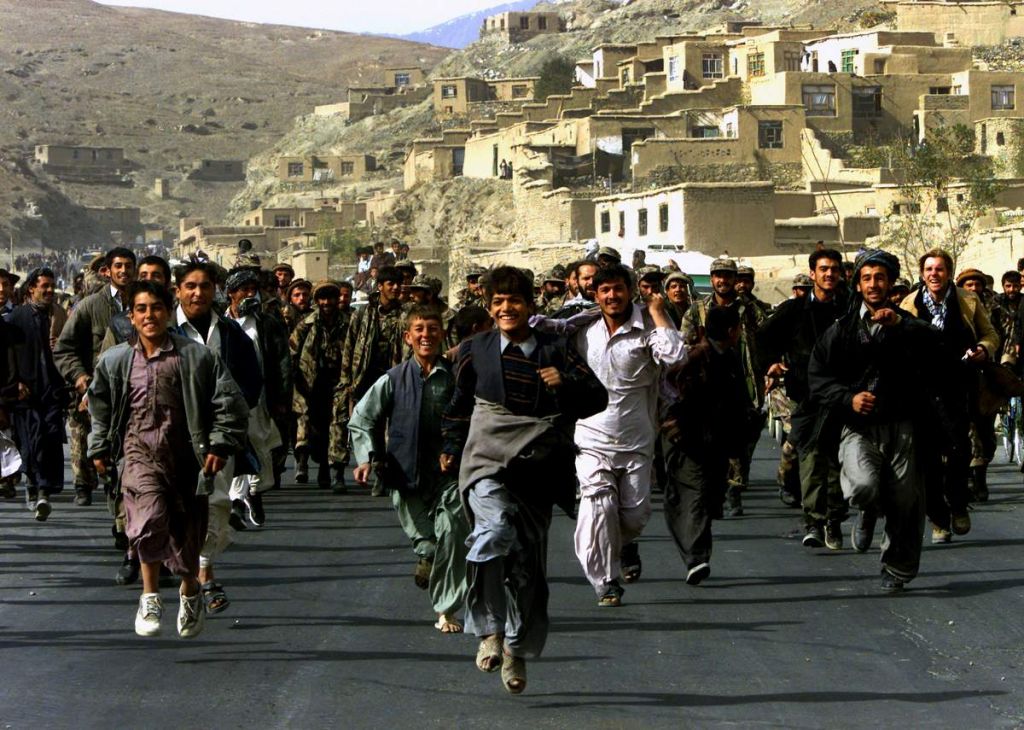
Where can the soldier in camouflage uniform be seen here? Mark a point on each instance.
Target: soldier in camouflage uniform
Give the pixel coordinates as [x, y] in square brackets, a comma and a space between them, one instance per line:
[473, 293]
[1004, 314]
[373, 345]
[745, 289]
[298, 303]
[649, 279]
[317, 371]
[677, 292]
[723, 282]
[552, 293]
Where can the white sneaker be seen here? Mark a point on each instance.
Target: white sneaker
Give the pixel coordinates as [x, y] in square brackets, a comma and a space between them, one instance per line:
[42, 508]
[191, 615]
[147, 620]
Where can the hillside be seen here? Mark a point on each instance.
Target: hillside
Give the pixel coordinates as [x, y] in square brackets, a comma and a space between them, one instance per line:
[170, 89]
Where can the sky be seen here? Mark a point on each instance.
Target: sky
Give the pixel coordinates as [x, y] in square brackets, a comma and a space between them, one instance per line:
[359, 16]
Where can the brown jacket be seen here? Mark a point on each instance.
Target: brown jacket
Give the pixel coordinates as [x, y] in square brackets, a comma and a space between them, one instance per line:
[974, 315]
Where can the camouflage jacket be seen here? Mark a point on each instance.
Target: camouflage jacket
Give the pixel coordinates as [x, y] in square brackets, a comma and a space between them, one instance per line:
[369, 329]
[291, 316]
[751, 319]
[466, 298]
[547, 307]
[1004, 316]
[320, 353]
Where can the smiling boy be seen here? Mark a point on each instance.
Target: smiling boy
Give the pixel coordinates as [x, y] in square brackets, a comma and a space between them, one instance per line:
[410, 398]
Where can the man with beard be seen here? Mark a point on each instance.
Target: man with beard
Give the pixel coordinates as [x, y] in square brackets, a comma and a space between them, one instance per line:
[472, 295]
[724, 294]
[677, 292]
[553, 292]
[745, 288]
[784, 344]
[626, 348]
[38, 415]
[316, 377]
[284, 274]
[373, 345]
[968, 339]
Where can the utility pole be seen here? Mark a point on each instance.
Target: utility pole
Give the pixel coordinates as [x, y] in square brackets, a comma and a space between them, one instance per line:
[12, 251]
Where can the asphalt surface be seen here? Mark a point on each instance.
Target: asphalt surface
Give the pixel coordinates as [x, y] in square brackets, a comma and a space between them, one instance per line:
[326, 629]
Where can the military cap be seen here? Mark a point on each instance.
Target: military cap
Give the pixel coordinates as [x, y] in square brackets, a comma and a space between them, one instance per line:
[555, 275]
[326, 287]
[745, 271]
[678, 276]
[802, 281]
[609, 252]
[474, 271]
[421, 281]
[284, 267]
[405, 264]
[97, 262]
[723, 264]
[968, 274]
[903, 283]
[298, 284]
[649, 272]
[435, 285]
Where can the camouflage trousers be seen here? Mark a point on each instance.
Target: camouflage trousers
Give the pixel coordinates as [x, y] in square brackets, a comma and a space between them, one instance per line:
[79, 424]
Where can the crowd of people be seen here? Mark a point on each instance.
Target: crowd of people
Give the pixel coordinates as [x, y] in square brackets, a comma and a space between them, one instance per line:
[183, 391]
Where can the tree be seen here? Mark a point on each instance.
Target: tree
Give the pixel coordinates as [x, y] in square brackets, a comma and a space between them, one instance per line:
[944, 190]
[556, 77]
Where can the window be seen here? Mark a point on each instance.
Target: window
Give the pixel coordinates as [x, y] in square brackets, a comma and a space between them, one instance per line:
[625, 76]
[74, 154]
[711, 66]
[520, 91]
[867, 101]
[449, 91]
[347, 168]
[769, 135]
[402, 79]
[295, 169]
[663, 217]
[755, 64]
[984, 138]
[791, 60]
[673, 68]
[542, 23]
[942, 205]
[939, 90]
[730, 131]
[606, 222]
[1000, 139]
[820, 101]
[524, 23]
[705, 132]
[282, 221]
[641, 221]
[846, 60]
[1002, 98]
[879, 66]
[622, 223]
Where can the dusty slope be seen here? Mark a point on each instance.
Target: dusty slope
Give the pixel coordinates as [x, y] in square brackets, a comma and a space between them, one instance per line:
[72, 71]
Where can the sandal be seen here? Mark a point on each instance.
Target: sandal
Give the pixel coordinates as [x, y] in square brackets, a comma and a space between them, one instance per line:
[448, 625]
[513, 673]
[612, 596]
[488, 656]
[214, 597]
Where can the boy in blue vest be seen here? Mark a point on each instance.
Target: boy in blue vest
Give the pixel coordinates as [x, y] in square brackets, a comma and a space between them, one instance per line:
[509, 431]
[410, 399]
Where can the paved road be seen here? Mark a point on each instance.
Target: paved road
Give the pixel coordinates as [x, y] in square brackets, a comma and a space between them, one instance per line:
[326, 629]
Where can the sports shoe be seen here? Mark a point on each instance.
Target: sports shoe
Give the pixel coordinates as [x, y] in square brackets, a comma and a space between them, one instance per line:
[254, 504]
[83, 495]
[42, 508]
[814, 538]
[863, 531]
[191, 615]
[147, 618]
[961, 523]
[940, 535]
[834, 535]
[237, 516]
[890, 583]
[788, 498]
[698, 573]
[128, 573]
[31, 497]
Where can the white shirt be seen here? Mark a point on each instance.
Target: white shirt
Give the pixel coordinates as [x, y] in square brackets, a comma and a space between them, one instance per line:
[117, 298]
[212, 339]
[527, 346]
[628, 362]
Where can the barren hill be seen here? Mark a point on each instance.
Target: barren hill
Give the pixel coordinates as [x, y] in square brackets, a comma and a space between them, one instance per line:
[170, 89]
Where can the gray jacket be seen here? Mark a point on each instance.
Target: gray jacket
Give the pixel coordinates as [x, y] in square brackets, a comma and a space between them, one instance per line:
[79, 343]
[215, 409]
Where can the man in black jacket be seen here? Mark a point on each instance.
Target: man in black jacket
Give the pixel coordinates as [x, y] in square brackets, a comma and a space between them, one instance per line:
[872, 377]
[784, 345]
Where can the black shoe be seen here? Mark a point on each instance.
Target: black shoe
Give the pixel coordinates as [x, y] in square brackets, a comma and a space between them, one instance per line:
[323, 477]
[254, 503]
[377, 490]
[733, 502]
[7, 489]
[83, 495]
[814, 537]
[43, 508]
[890, 583]
[120, 539]
[863, 531]
[834, 535]
[301, 469]
[979, 490]
[339, 486]
[237, 518]
[698, 573]
[788, 498]
[632, 567]
[128, 573]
